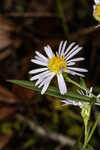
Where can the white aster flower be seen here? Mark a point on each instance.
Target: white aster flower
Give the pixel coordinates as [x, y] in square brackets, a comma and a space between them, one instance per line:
[80, 104]
[96, 10]
[55, 65]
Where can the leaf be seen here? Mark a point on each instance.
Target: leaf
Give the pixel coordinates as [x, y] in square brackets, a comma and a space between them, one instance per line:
[52, 91]
[82, 83]
[93, 128]
[90, 147]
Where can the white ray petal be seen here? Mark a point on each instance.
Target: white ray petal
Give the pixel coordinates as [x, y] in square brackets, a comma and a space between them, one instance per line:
[45, 87]
[38, 58]
[45, 78]
[39, 75]
[49, 52]
[94, 7]
[81, 92]
[63, 48]
[60, 48]
[41, 59]
[46, 84]
[67, 102]
[78, 69]
[41, 56]
[39, 62]
[41, 84]
[70, 102]
[97, 2]
[37, 70]
[38, 81]
[71, 64]
[74, 53]
[73, 49]
[98, 96]
[76, 59]
[34, 77]
[74, 73]
[61, 84]
[69, 48]
[91, 89]
[44, 81]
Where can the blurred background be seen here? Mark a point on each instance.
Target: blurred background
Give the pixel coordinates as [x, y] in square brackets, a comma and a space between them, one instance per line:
[28, 120]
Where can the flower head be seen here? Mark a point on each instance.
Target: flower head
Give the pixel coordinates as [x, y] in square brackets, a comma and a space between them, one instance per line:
[81, 104]
[55, 65]
[96, 10]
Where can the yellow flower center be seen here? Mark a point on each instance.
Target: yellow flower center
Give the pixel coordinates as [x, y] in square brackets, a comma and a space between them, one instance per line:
[57, 64]
[97, 12]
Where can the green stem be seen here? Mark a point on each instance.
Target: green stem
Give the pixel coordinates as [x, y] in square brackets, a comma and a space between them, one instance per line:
[86, 119]
[76, 84]
[93, 129]
[91, 133]
[85, 137]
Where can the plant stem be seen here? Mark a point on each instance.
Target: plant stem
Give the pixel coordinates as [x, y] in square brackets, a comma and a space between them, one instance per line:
[78, 85]
[87, 140]
[85, 137]
[85, 112]
[93, 129]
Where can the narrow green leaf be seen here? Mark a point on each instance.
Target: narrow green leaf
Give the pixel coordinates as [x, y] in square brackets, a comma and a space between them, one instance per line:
[93, 128]
[52, 91]
[82, 83]
[90, 147]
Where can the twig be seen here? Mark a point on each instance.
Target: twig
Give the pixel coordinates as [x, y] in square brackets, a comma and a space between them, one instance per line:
[63, 140]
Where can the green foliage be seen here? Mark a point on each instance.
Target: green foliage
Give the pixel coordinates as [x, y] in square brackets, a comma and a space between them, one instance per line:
[90, 147]
[52, 91]
[82, 83]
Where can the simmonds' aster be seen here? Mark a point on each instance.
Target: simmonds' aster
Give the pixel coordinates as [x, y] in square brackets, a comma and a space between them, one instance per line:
[55, 65]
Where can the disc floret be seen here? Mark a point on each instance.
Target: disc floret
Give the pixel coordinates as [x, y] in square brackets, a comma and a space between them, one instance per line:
[57, 64]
